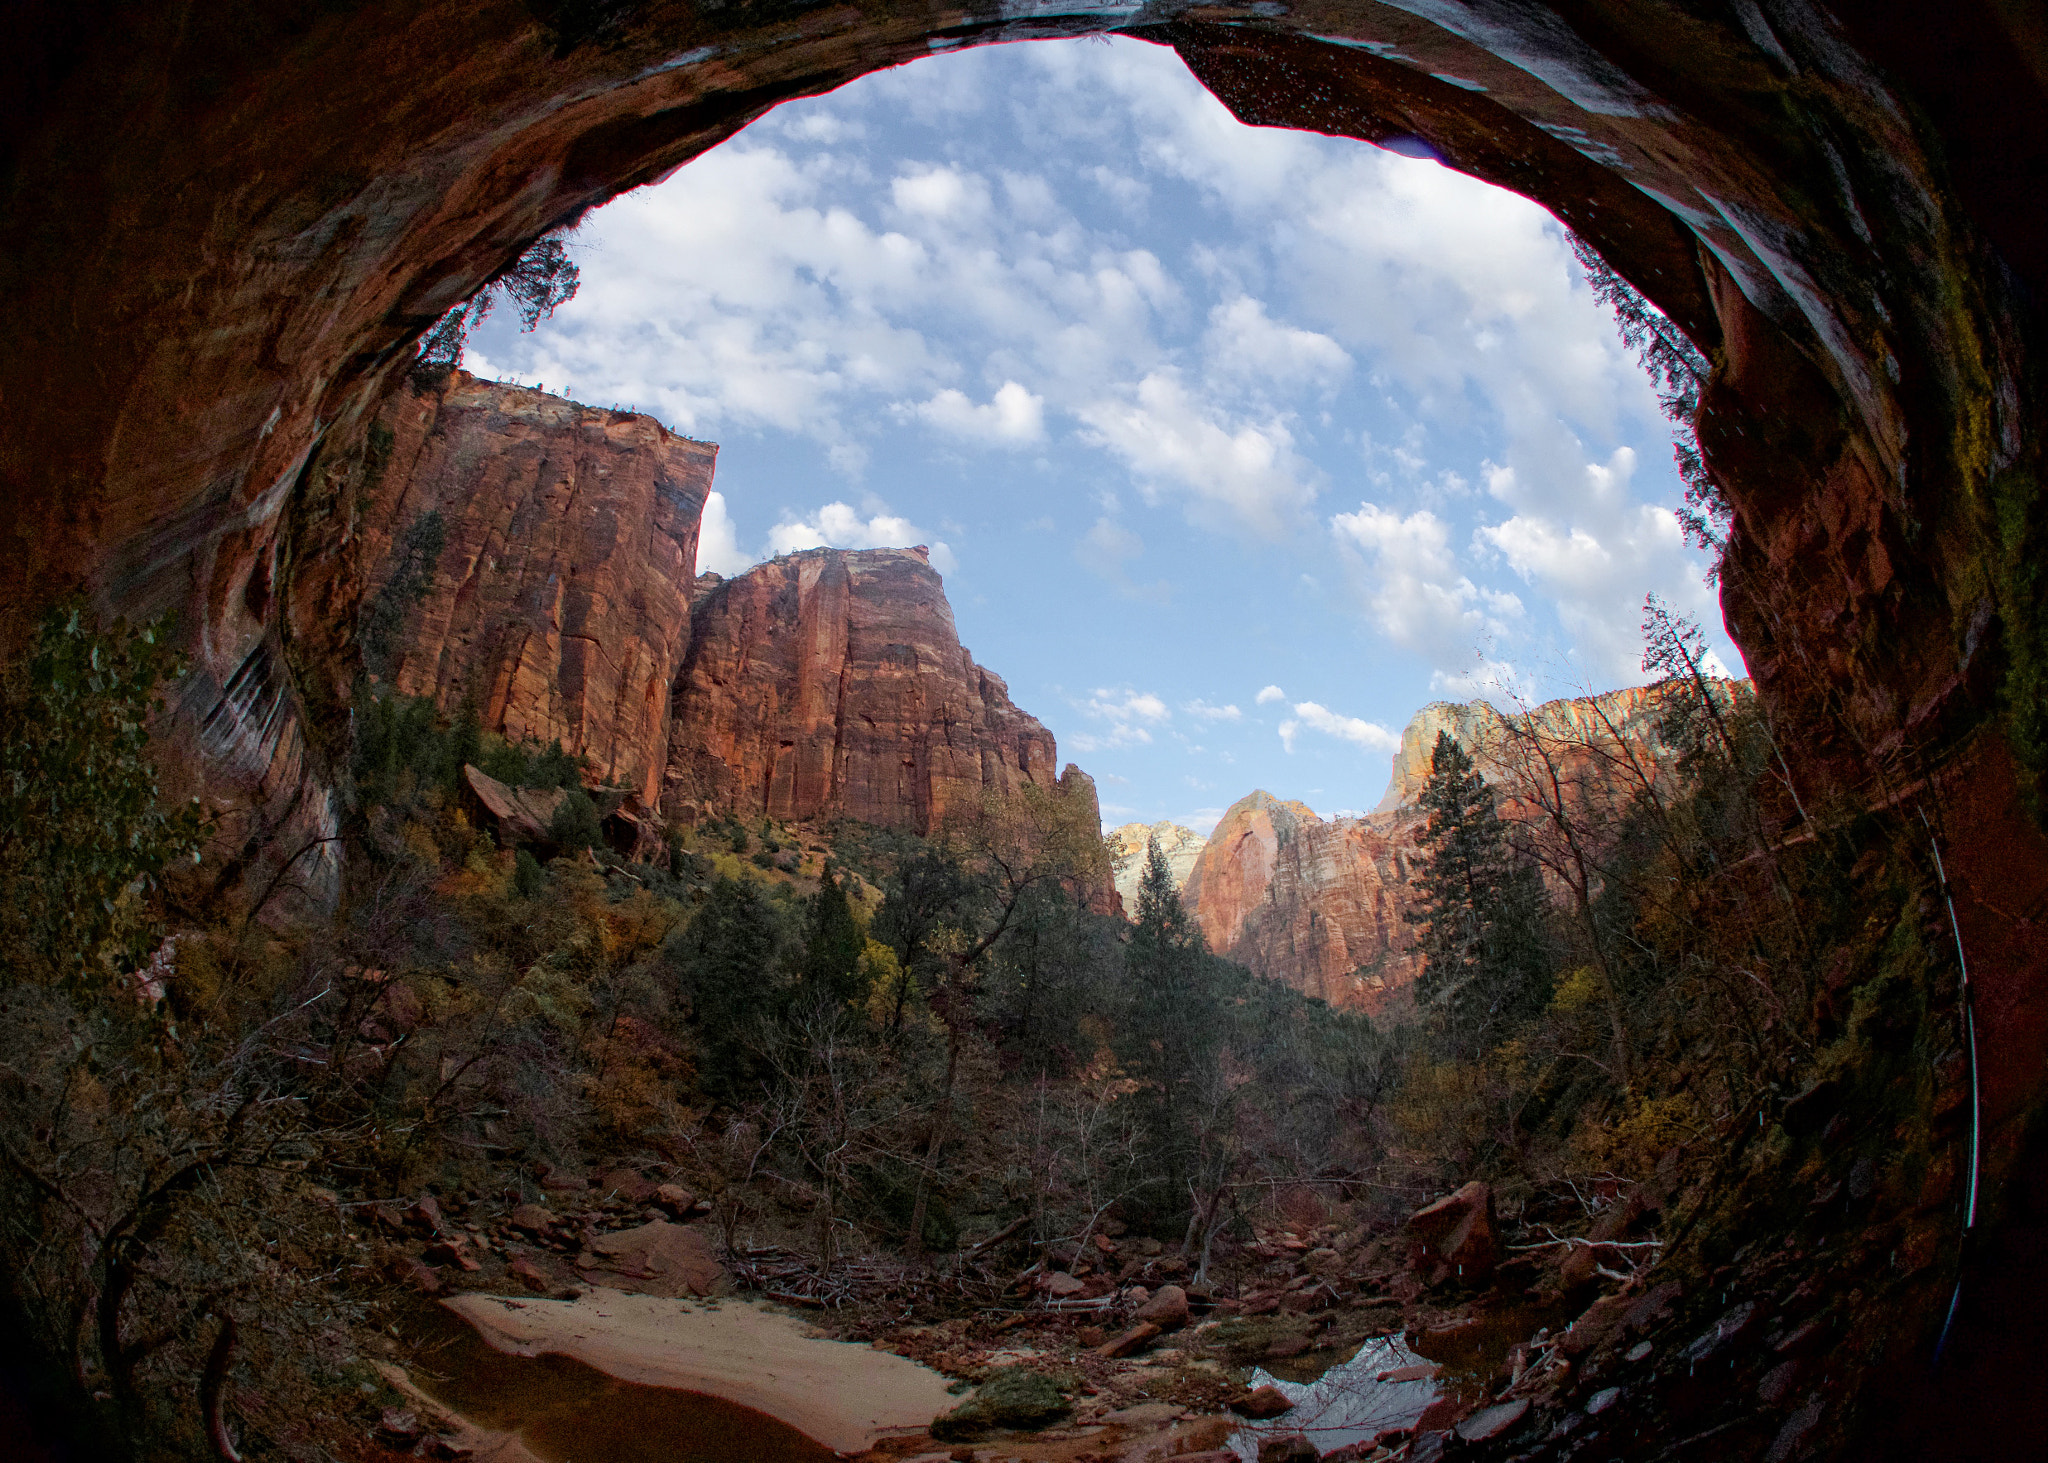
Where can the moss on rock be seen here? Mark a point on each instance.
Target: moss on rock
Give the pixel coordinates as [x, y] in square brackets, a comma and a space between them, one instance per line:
[1013, 1397]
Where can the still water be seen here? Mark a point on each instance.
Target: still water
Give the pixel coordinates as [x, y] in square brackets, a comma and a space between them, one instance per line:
[567, 1412]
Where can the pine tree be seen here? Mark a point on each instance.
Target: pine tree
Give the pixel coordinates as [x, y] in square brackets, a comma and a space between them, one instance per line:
[832, 946]
[1172, 1025]
[1480, 910]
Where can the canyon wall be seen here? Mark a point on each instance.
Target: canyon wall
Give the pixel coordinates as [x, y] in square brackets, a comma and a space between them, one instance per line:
[559, 602]
[535, 559]
[1182, 846]
[833, 683]
[1321, 904]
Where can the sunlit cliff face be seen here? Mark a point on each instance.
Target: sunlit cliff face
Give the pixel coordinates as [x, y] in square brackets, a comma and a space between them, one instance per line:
[224, 236]
[1053, 311]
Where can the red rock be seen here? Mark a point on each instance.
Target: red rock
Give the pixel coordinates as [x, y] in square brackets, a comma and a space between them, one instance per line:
[1441, 1415]
[1489, 1423]
[533, 1218]
[1453, 1239]
[1263, 1402]
[1137, 1338]
[675, 1198]
[529, 1274]
[630, 1185]
[1060, 1285]
[408, 1270]
[1321, 905]
[519, 814]
[1167, 1309]
[833, 683]
[561, 602]
[1288, 1346]
[1292, 1448]
[656, 1258]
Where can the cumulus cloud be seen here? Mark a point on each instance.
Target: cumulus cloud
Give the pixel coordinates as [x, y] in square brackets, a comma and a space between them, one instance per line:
[1243, 341]
[1311, 716]
[1126, 717]
[840, 526]
[1269, 695]
[718, 544]
[1412, 585]
[1179, 445]
[1013, 417]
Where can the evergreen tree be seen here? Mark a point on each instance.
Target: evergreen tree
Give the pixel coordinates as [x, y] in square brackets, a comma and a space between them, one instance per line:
[1172, 1029]
[728, 955]
[832, 946]
[1481, 910]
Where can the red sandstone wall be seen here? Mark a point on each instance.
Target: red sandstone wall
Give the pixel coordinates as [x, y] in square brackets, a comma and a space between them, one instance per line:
[561, 603]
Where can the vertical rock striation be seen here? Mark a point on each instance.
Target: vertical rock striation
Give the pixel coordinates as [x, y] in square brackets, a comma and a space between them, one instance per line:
[833, 683]
[1321, 904]
[559, 605]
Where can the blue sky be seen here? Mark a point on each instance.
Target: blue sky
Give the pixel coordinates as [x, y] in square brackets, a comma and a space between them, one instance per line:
[1235, 446]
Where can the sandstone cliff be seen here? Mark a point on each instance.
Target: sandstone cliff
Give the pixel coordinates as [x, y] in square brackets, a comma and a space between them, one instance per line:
[559, 603]
[1182, 846]
[1320, 904]
[833, 683]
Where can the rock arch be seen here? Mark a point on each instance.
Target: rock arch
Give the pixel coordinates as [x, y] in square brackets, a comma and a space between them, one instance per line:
[222, 228]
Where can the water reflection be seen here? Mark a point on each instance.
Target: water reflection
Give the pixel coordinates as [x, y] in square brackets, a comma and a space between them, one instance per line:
[1383, 1386]
[567, 1412]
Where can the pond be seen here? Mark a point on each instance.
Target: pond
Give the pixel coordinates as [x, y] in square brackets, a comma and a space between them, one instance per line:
[565, 1411]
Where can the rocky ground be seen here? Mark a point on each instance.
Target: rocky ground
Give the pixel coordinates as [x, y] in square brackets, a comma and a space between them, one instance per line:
[1535, 1333]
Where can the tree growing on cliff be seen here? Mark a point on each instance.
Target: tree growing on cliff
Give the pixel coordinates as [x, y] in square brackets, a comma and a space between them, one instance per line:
[1480, 910]
[536, 283]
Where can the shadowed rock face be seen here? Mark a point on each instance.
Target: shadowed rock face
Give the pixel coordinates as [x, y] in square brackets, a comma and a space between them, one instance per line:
[833, 683]
[560, 603]
[222, 227]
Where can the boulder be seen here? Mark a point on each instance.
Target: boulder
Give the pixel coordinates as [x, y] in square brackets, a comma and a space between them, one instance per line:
[1492, 1422]
[1012, 1397]
[657, 1258]
[1293, 1448]
[533, 1218]
[1167, 1309]
[631, 1185]
[1453, 1239]
[1060, 1285]
[1263, 1402]
[675, 1198]
[1133, 1340]
[530, 1275]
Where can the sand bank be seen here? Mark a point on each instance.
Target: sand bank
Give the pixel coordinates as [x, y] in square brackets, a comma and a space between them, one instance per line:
[847, 1396]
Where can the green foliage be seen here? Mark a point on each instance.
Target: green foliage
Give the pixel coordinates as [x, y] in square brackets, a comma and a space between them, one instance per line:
[833, 945]
[576, 825]
[529, 880]
[537, 282]
[381, 630]
[84, 837]
[1481, 911]
[1011, 1397]
[730, 959]
[404, 746]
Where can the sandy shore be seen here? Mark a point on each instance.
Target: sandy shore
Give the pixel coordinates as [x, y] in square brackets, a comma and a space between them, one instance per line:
[846, 1396]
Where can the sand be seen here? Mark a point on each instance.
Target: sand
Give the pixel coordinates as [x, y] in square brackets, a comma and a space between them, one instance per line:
[845, 1395]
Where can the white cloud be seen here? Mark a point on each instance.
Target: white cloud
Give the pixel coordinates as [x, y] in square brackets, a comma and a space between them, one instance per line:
[1202, 710]
[1013, 417]
[1269, 694]
[1412, 585]
[1314, 717]
[1126, 716]
[1244, 342]
[718, 545]
[840, 526]
[1226, 473]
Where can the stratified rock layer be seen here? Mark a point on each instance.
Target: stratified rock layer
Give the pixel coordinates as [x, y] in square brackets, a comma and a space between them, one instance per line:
[1321, 904]
[833, 683]
[560, 603]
